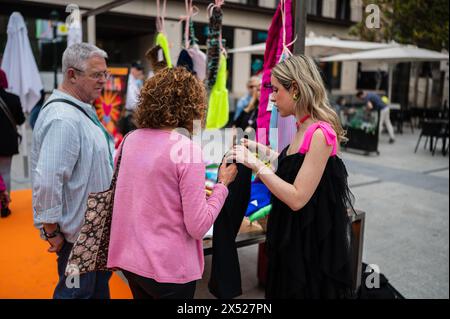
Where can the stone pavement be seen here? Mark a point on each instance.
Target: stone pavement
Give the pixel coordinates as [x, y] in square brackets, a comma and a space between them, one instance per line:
[406, 200]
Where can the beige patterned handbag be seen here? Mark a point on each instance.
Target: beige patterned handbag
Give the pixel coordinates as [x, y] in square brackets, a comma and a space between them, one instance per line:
[90, 251]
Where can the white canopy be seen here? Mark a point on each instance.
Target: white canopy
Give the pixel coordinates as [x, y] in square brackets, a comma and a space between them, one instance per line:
[19, 64]
[322, 46]
[407, 53]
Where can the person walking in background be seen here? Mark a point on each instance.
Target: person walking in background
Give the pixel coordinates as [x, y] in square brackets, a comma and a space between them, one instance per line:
[161, 213]
[11, 115]
[135, 83]
[308, 230]
[375, 103]
[4, 199]
[71, 157]
[253, 83]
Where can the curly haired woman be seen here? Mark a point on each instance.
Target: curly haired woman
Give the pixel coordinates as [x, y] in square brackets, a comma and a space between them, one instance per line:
[160, 208]
[308, 230]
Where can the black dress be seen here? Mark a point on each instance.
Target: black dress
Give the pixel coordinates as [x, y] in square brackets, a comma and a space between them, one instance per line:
[309, 251]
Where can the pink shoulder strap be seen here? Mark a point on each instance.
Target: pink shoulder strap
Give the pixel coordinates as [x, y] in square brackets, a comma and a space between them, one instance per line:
[327, 130]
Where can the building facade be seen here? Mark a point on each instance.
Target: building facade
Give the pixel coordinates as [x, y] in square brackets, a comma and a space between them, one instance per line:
[127, 31]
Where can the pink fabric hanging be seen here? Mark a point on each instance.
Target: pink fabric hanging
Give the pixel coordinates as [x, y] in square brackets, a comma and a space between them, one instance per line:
[274, 49]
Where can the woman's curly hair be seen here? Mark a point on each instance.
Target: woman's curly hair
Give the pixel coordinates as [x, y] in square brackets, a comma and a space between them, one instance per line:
[173, 97]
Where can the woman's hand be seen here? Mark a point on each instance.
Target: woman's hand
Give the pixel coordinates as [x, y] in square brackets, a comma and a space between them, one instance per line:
[227, 174]
[242, 154]
[252, 145]
[264, 152]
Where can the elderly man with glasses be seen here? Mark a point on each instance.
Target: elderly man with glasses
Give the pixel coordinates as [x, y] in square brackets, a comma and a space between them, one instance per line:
[71, 157]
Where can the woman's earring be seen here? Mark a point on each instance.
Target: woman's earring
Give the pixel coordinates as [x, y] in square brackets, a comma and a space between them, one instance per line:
[295, 97]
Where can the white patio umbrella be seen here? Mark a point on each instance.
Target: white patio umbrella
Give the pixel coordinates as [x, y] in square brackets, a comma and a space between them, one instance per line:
[19, 64]
[22, 72]
[322, 46]
[75, 31]
[406, 53]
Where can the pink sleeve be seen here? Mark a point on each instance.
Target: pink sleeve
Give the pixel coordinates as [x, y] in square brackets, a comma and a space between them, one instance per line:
[327, 130]
[199, 212]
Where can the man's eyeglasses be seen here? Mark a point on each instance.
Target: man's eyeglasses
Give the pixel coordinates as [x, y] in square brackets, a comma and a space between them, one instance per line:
[96, 75]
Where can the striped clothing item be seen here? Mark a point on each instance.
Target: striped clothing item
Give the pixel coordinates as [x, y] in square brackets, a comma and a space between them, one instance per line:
[69, 160]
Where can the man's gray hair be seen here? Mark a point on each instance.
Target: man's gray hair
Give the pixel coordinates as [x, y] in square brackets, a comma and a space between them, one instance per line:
[77, 54]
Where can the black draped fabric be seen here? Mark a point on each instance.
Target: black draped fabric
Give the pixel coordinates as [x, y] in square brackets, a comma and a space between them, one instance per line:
[225, 280]
[309, 250]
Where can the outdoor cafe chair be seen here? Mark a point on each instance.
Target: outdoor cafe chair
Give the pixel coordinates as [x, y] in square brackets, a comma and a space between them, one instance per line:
[433, 130]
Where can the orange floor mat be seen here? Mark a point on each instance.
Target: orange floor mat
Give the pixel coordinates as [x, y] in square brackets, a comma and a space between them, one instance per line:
[27, 270]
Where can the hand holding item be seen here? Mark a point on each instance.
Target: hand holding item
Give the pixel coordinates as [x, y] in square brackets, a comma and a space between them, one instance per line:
[227, 172]
[251, 145]
[242, 154]
[264, 152]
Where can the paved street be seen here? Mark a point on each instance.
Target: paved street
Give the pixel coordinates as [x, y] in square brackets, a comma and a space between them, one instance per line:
[406, 200]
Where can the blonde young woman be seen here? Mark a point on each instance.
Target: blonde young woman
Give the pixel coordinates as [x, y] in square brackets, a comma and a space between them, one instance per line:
[308, 232]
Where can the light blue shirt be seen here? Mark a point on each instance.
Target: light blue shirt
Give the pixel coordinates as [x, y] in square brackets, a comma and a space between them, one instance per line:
[241, 105]
[69, 159]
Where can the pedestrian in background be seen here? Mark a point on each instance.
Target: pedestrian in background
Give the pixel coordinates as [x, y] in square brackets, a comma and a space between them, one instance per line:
[374, 102]
[11, 115]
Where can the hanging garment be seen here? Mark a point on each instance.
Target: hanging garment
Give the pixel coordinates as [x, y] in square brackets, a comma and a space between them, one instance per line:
[185, 60]
[193, 41]
[286, 130]
[214, 45]
[199, 60]
[225, 280]
[161, 40]
[218, 108]
[274, 50]
[156, 59]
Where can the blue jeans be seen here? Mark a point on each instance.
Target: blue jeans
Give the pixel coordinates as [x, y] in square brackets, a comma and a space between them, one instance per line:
[92, 285]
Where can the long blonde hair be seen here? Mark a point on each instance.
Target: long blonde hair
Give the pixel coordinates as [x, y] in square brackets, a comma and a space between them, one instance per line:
[312, 94]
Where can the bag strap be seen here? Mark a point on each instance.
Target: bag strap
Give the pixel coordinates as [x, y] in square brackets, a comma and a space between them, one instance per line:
[9, 115]
[85, 113]
[116, 169]
[71, 103]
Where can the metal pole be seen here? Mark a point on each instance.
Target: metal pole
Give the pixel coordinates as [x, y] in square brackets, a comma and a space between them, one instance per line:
[299, 16]
[390, 79]
[55, 57]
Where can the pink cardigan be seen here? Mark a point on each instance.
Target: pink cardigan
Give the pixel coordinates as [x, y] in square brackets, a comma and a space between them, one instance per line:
[160, 208]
